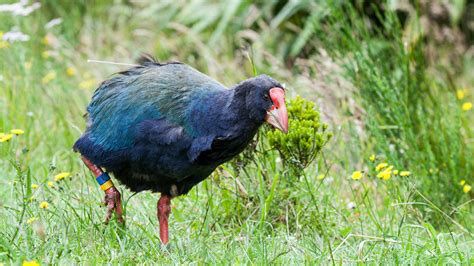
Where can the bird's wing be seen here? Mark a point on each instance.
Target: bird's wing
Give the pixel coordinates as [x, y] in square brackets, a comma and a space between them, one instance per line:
[151, 91]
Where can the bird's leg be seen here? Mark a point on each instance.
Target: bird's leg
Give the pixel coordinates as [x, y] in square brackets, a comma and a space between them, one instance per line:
[163, 211]
[112, 198]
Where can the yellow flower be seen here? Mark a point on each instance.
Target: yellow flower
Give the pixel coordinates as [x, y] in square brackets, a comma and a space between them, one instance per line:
[6, 137]
[385, 175]
[17, 131]
[381, 166]
[45, 54]
[405, 173]
[320, 177]
[466, 188]
[44, 205]
[395, 172]
[372, 158]
[70, 71]
[50, 184]
[61, 176]
[45, 40]
[30, 263]
[28, 65]
[4, 44]
[87, 84]
[466, 106]
[31, 220]
[48, 77]
[356, 175]
[462, 182]
[34, 186]
[460, 94]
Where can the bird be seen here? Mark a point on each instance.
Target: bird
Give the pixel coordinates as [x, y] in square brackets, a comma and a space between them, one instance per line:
[165, 127]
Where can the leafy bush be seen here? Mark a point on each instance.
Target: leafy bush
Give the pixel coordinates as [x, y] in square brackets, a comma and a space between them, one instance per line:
[306, 136]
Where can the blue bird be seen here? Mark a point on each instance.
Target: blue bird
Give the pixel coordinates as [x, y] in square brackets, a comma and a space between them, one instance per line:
[166, 127]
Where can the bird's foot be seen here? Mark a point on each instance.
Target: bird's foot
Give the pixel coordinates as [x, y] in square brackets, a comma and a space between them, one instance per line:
[113, 202]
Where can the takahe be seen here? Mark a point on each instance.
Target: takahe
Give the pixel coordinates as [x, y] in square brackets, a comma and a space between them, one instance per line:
[166, 127]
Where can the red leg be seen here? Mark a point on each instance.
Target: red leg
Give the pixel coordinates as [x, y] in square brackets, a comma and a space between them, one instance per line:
[112, 196]
[164, 210]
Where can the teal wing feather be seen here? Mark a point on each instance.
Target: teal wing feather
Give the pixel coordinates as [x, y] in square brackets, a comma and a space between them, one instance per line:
[151, 91]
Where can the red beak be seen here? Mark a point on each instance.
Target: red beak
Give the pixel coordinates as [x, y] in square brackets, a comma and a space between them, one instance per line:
[277, 116]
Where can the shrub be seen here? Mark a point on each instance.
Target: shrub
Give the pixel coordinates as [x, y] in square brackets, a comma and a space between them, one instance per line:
[305, 139]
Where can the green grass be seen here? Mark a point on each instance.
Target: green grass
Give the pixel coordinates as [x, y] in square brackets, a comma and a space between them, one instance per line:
[378, 96]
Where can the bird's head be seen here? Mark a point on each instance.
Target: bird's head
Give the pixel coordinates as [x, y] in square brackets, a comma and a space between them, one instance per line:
[265, 101]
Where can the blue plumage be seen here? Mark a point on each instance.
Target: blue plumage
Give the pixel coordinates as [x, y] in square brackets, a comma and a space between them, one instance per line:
[166, 127]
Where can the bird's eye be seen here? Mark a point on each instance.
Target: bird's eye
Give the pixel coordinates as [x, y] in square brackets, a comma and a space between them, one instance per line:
[266, 97]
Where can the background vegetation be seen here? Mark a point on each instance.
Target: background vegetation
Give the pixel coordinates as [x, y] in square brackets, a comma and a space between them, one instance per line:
[393, 80]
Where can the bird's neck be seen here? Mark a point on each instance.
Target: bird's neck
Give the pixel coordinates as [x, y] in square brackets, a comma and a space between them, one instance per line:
[237, 114]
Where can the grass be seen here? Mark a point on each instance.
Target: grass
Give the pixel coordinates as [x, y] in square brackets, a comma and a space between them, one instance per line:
[378, 96]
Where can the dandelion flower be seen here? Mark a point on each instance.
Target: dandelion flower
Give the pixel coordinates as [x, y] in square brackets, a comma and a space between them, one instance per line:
[70, 71]
[320, 177]
[405, 173]
[460, 94]
[381, 166]
[30, 263]
[385, 175]
[6, 137]
[372, 158]
[61, 176]
[31, 220]
[34, 186]
[356, 175]
[45, 40]
[462, 182]
[48, 77]
[44, 205]
[87, 84]
[17, 131]
[466, 188]
[395, 172]
[45, 54]
[466, 106]
[50, 184]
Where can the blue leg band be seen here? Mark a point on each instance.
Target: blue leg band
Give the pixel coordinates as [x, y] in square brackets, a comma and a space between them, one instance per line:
[102, 178]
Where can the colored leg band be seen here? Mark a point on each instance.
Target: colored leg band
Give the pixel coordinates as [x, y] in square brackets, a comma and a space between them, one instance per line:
[102, 178]
[108, 184]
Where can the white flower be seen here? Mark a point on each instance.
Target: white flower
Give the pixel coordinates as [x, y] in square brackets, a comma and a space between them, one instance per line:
[391, 147]
[53, 22]
[351, 205]
[21, 8]
[13, 36]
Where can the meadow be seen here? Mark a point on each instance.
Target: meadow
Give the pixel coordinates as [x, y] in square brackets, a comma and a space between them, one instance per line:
[385, 179]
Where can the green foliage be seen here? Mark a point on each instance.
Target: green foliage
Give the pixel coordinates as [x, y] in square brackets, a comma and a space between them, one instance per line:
[412, 115]
[306, 136]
